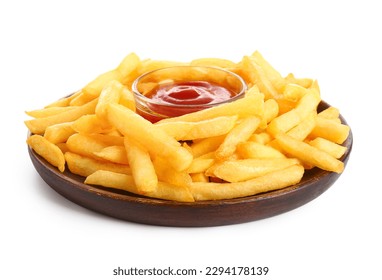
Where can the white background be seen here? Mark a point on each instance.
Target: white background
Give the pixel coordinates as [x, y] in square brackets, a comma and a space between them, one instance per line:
[49, 49]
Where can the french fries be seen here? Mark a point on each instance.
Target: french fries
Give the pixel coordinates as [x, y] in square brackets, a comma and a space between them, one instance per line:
[47, 150]
[259, 143]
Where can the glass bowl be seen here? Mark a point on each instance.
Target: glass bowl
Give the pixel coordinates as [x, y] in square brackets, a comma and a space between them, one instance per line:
[175, 91]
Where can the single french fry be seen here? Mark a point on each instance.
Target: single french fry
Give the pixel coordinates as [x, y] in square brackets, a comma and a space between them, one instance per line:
[155, 140]
[271, 111]
[251, 105]
[309, 154]
[259, 77]
[199, 177]
[261, 138]
[304, 82]
[115, 154]
[200, 165]
[329, 147]
[182, 130]
[47, 150]
[38, 126]
[294, 92]
[330, 130]
[129, 66]
[110, 93]
[84, 166]
[304, 128]
[268, 182]
[246, 169]
[82, 99]
[141, 166]
[63, 102]
[62, 147]
[307, 104]
[88, 144]
[330, 113]
[127, 183]
[168, 174]
[91, 123]
[277, 81]
[239, 133]
[59, 133]
[251, 149]
[127, 99]
[50, 111]
[94, 88]
[206, 145]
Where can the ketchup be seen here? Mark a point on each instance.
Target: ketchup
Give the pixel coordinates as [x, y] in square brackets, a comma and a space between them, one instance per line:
[190, 93]
[180, 98]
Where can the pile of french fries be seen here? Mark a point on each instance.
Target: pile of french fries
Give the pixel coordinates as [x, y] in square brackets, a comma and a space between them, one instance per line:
[262, 142]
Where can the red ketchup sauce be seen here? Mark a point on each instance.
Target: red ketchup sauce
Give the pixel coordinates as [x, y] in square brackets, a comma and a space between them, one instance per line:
[181, 98]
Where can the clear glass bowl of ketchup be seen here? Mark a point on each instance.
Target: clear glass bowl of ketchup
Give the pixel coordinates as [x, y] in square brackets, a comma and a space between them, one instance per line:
[175, 91]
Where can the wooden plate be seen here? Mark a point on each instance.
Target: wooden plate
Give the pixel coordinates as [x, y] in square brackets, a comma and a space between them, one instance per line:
[131, 207]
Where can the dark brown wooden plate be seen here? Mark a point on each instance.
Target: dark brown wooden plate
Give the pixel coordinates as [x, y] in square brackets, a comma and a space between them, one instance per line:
[130, 207]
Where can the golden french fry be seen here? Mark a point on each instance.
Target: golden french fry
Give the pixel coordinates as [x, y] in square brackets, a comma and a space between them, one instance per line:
[84, 166]
[200, 165]
[304, 82]
[268, 182]
[90, 144]
[63, 102]
[62, 147]
[239, 133]
[128, 67]
[251, 105]
[307, 104]
[277, 81]
[329, 147]
[271, 110]
[110, 93]
[294, 92]
[206, 145]
[141, 166]
[251, 149]
[81, 99]
[47, 150]
[309, 154]
[256, 75]
[94, 88]
[330, 113]
[168, 174]
[91, 123]
[330, 130]
[199, 177]
[126, 182]
[108, 139]
[246, 169]
[304, 128]
[38, 126]
[261, 138]
[127, 99]
[182, 130]
[59, 133]
[50, 111]
[155, 140]
[115, 154]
